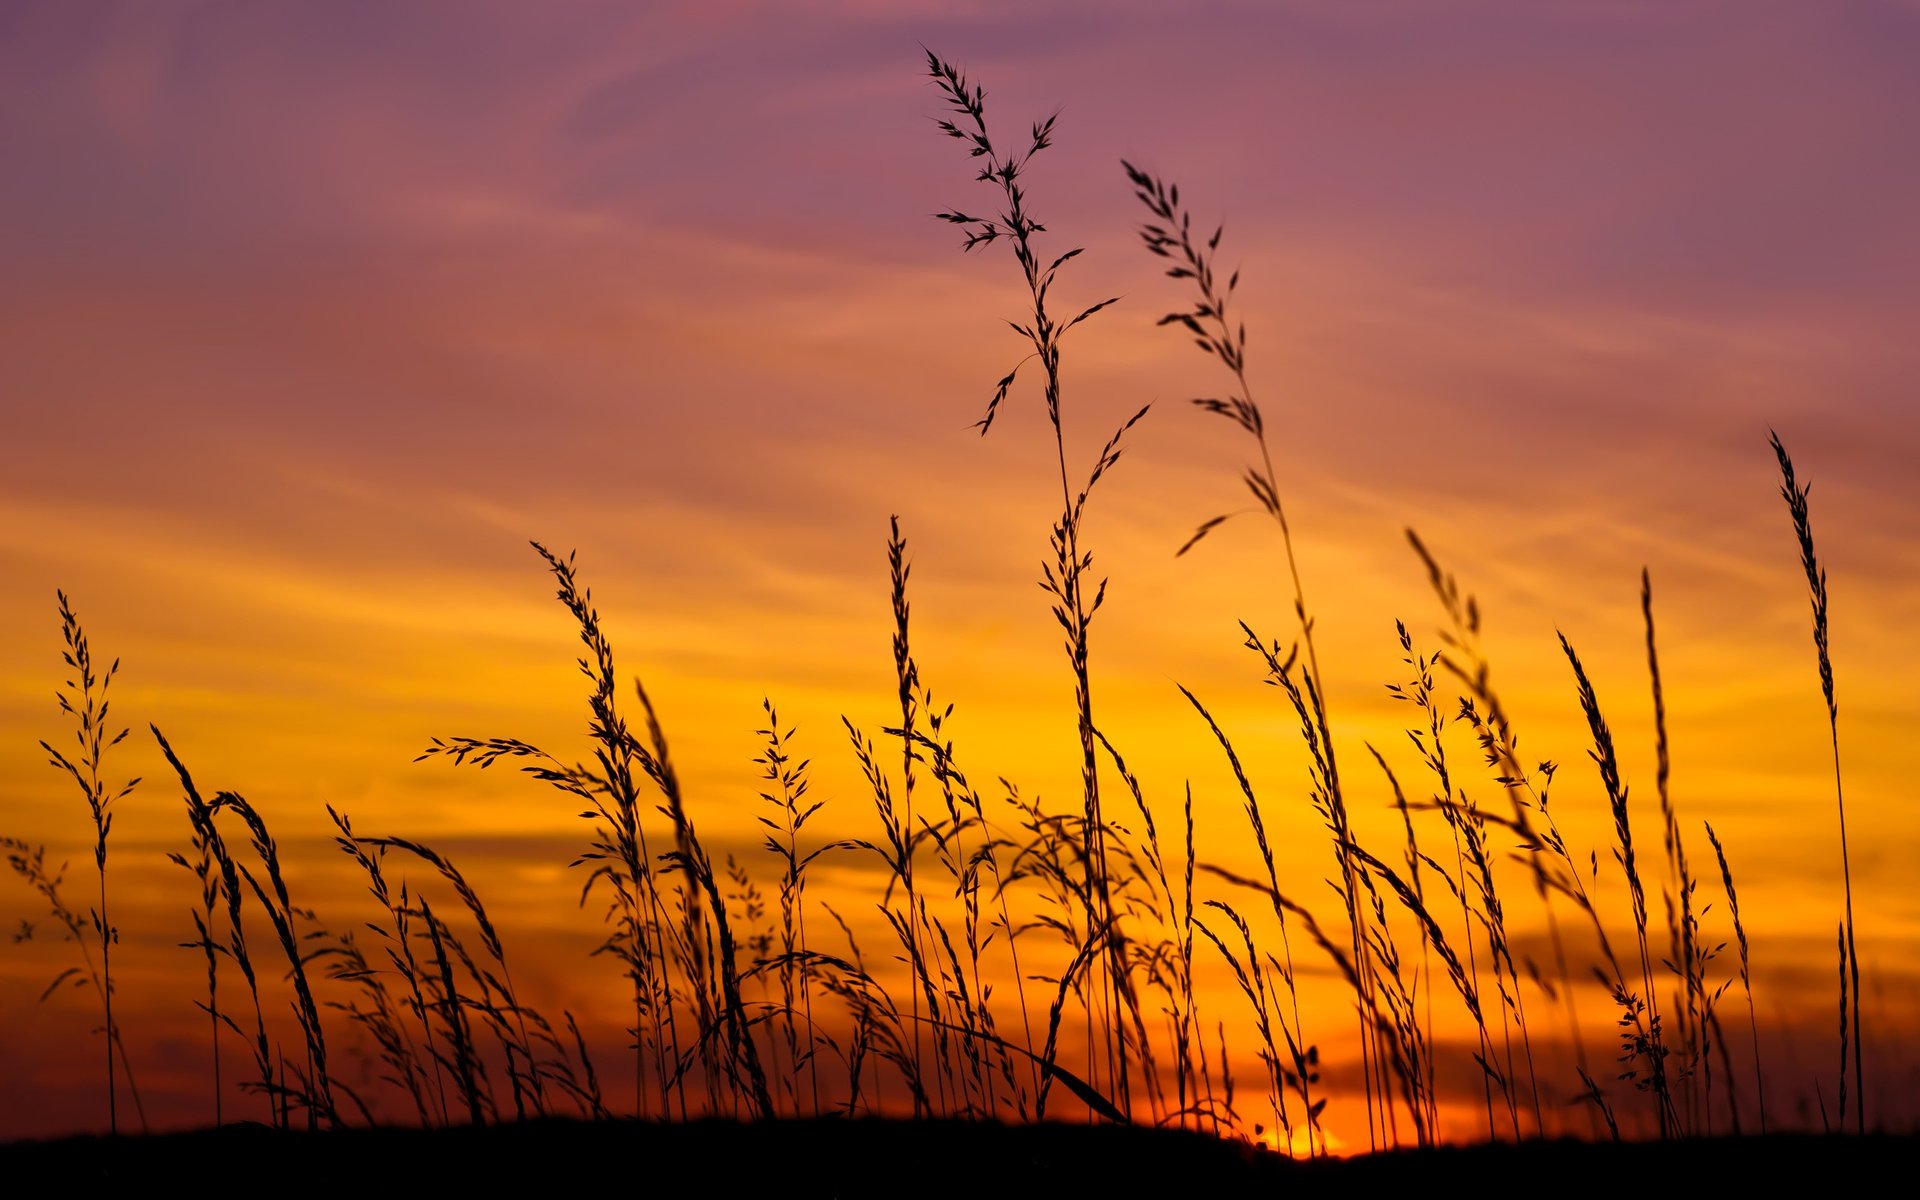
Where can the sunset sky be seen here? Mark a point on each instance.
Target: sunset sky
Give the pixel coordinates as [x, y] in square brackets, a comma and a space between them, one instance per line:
[313, 314]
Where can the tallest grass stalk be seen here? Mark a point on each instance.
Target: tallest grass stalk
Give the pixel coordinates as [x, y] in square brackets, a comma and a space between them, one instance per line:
[1065, 578]
[1795, 495]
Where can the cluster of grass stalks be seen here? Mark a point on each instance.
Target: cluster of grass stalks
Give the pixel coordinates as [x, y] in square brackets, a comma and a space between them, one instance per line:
[1033, 952]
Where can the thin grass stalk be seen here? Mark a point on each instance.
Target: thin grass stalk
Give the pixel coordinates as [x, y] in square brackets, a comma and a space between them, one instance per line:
[622, 855]
[202, 814]
[1294, 1035]
[966, 810]
[907, 679]
[1463, 979]
[1746, 976]
[1845, 962]
[204, 840]
[84, 698]
[1653, 1052]
[1252, 980]
[1005, 918]
[1679, 887]
[1470, 666]
[789, 778]
[522, 1046]
[1796, 498]
[30, 863]
[1429, 1118]
[281, 915]
[382, 1021]
[1224, 337]
[1154, 876]
[1498, 744]
[643, 935]
[1065, 578]
[743, 1053]
[1468, 825]
[399, 939]
[453, 1018]
[1204, 1082]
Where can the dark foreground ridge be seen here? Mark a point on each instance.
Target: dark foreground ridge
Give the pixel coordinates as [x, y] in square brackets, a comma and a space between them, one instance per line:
[871, 1157]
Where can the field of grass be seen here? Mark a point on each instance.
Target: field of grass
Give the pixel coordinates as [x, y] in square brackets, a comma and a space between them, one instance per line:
[1043, 964]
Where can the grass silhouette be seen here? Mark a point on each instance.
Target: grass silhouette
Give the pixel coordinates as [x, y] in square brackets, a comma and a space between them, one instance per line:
[1795, 495]
[1044, 961]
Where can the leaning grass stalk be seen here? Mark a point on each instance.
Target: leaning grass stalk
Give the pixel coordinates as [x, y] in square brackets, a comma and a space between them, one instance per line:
[744, 1054]
[1654, 1050]
[211, 852]
[30, 863]
[202, 814]
[1296, 1034]
[1224, 337]
[1430, 743]
[490, 941]
[1422, 1065]
[1470, 666]
[1746, 976]
[282, 915]
[643, 934]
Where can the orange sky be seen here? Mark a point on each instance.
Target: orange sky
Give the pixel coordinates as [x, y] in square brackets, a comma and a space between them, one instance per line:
[312, 314]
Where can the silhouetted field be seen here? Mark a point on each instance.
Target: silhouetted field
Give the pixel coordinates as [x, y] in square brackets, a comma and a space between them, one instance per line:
[885, 1158]
[1040, 962]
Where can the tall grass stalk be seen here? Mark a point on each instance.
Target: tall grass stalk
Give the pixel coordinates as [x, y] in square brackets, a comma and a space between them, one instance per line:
[1223, 336]
[213, 869]
[690, 855]
[83, 697]
[1552, 875]
[1795, 495]
[398, 935]
[786, 781]
[653, 944]
[1066, 577]
[906, 677]
[208, 880]
[1646, 1043]
[315, 1090]
[1416, 1035]
[1296, 1070]
[201, 815]
[29, 862]
[517, 1027]
[1468, 827]
[1685, 953]
[641, 935]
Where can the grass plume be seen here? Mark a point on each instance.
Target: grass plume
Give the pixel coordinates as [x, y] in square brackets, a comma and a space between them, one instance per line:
[1795, 494]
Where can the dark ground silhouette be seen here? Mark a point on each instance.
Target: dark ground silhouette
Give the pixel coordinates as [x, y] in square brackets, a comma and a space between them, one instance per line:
[875, 1158]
